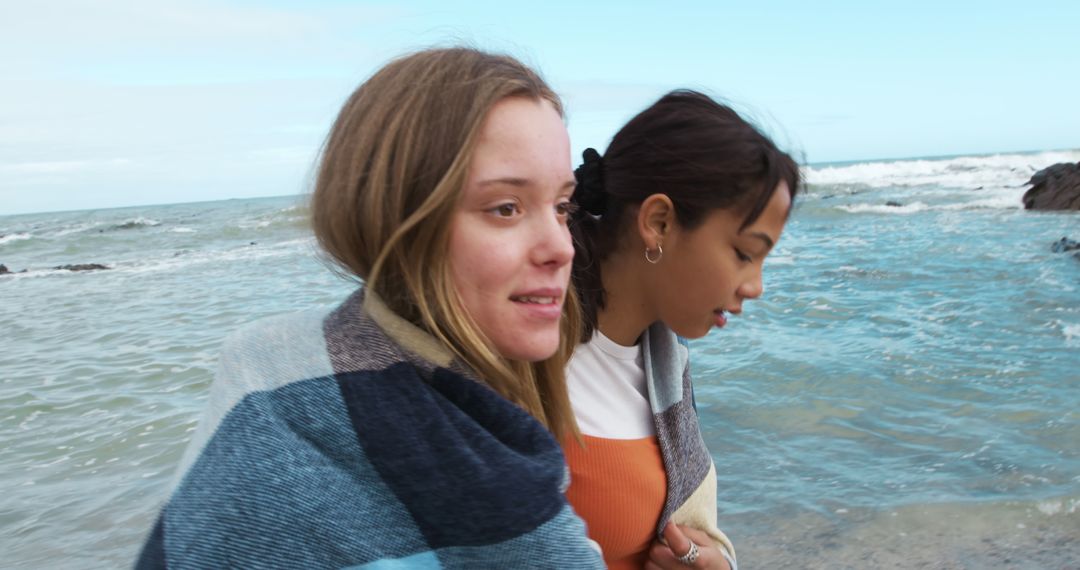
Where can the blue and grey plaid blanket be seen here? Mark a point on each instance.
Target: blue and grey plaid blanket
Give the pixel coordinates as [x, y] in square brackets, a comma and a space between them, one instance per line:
[353, 439]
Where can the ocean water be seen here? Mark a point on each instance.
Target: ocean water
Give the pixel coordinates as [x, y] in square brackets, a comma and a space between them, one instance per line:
[910, 381]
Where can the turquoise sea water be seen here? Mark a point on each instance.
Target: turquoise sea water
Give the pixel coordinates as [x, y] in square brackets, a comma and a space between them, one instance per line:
[905, 360]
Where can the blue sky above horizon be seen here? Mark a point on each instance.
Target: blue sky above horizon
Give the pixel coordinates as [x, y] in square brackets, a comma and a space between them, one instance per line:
[124, 102]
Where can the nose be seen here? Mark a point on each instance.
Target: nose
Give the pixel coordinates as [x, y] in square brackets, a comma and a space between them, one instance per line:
[553, 246]
[752, 288]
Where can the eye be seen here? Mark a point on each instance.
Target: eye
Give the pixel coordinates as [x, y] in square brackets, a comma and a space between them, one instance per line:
[742, 256]
[565, 208]
[507, 210]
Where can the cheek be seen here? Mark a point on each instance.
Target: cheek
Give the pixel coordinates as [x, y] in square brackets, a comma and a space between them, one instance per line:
[479, 266]
[702, 278]
[461, 256]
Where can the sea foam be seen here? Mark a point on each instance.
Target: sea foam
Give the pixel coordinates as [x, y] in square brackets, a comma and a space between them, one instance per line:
[960, 172]
[10, 238]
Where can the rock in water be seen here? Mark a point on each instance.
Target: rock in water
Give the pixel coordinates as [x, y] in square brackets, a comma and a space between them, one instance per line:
[5, 271]
[1063, 245]
[82, 267]
[1055, 187]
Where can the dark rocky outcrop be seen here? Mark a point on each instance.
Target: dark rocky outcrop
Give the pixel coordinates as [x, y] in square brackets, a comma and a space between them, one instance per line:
[1064, 244]
[5, 271]
[1055, 187]
[76, 267]
[82, 267]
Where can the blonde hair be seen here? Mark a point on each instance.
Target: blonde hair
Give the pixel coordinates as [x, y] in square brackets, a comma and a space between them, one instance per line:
[390, 178]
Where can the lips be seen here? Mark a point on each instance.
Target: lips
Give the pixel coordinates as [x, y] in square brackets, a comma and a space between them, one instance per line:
[533, 299]
[540, 305]
[543, 296]
[721, 318]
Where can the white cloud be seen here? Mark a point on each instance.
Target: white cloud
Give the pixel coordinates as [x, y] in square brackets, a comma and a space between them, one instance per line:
[123, 39]
[63, 166]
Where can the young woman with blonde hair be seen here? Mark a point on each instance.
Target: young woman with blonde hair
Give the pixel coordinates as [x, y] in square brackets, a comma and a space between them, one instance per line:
[673, 225]
[408, 427]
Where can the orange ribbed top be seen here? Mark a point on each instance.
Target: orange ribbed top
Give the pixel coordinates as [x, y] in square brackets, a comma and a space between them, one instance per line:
[618, 486]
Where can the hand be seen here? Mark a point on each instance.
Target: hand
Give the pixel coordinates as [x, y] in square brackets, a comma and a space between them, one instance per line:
[665, 556]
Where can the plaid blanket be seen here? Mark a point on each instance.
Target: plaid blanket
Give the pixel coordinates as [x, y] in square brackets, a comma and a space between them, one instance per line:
[354, 439]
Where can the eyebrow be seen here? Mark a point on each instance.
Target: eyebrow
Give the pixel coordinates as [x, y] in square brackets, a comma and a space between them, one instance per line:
[520, 182]
[763, 237]
[509, 181]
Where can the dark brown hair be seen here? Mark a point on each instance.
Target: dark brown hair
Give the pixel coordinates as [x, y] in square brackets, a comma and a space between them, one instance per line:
[698, 152]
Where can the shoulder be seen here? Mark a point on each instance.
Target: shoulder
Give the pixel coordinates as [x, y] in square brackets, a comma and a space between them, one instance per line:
[266, 355]
[260, 357]
[278, 331]
[276, 350]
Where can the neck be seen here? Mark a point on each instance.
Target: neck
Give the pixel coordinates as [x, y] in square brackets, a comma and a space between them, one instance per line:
[627, 312]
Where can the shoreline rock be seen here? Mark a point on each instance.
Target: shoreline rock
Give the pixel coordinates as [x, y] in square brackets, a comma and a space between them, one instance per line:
[74, 267]
[82, 267]
[5, 271]
[1055, 187]
[1064, 245]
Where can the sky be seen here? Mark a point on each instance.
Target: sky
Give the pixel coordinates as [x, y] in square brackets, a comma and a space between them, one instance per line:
[110, 103]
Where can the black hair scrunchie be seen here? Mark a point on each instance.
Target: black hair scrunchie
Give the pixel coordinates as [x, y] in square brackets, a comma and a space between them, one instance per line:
[590, 193]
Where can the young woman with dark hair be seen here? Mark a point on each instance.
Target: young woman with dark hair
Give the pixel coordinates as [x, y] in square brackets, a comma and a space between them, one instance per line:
[671, 229]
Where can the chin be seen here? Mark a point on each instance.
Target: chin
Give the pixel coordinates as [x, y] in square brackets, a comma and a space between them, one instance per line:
[529, 350]
[693, 332]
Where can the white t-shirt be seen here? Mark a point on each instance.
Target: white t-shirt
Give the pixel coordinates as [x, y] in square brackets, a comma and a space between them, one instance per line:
[607, 389]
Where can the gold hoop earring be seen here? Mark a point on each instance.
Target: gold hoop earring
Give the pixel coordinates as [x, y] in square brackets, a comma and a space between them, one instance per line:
[659, 255]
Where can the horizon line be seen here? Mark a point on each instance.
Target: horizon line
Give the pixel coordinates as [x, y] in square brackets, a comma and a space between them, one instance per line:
[829, 163]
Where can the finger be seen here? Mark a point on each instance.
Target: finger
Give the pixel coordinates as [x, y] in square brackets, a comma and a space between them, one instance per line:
[702, 538]
[676, 539]
[662, 554]
[708, 559]
[659, 551]
[661, 557]
[667, 558]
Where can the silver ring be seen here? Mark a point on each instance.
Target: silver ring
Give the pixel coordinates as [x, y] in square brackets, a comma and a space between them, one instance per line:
[691, 555]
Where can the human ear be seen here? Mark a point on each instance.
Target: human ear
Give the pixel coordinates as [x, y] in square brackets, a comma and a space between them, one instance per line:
[655, 219]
